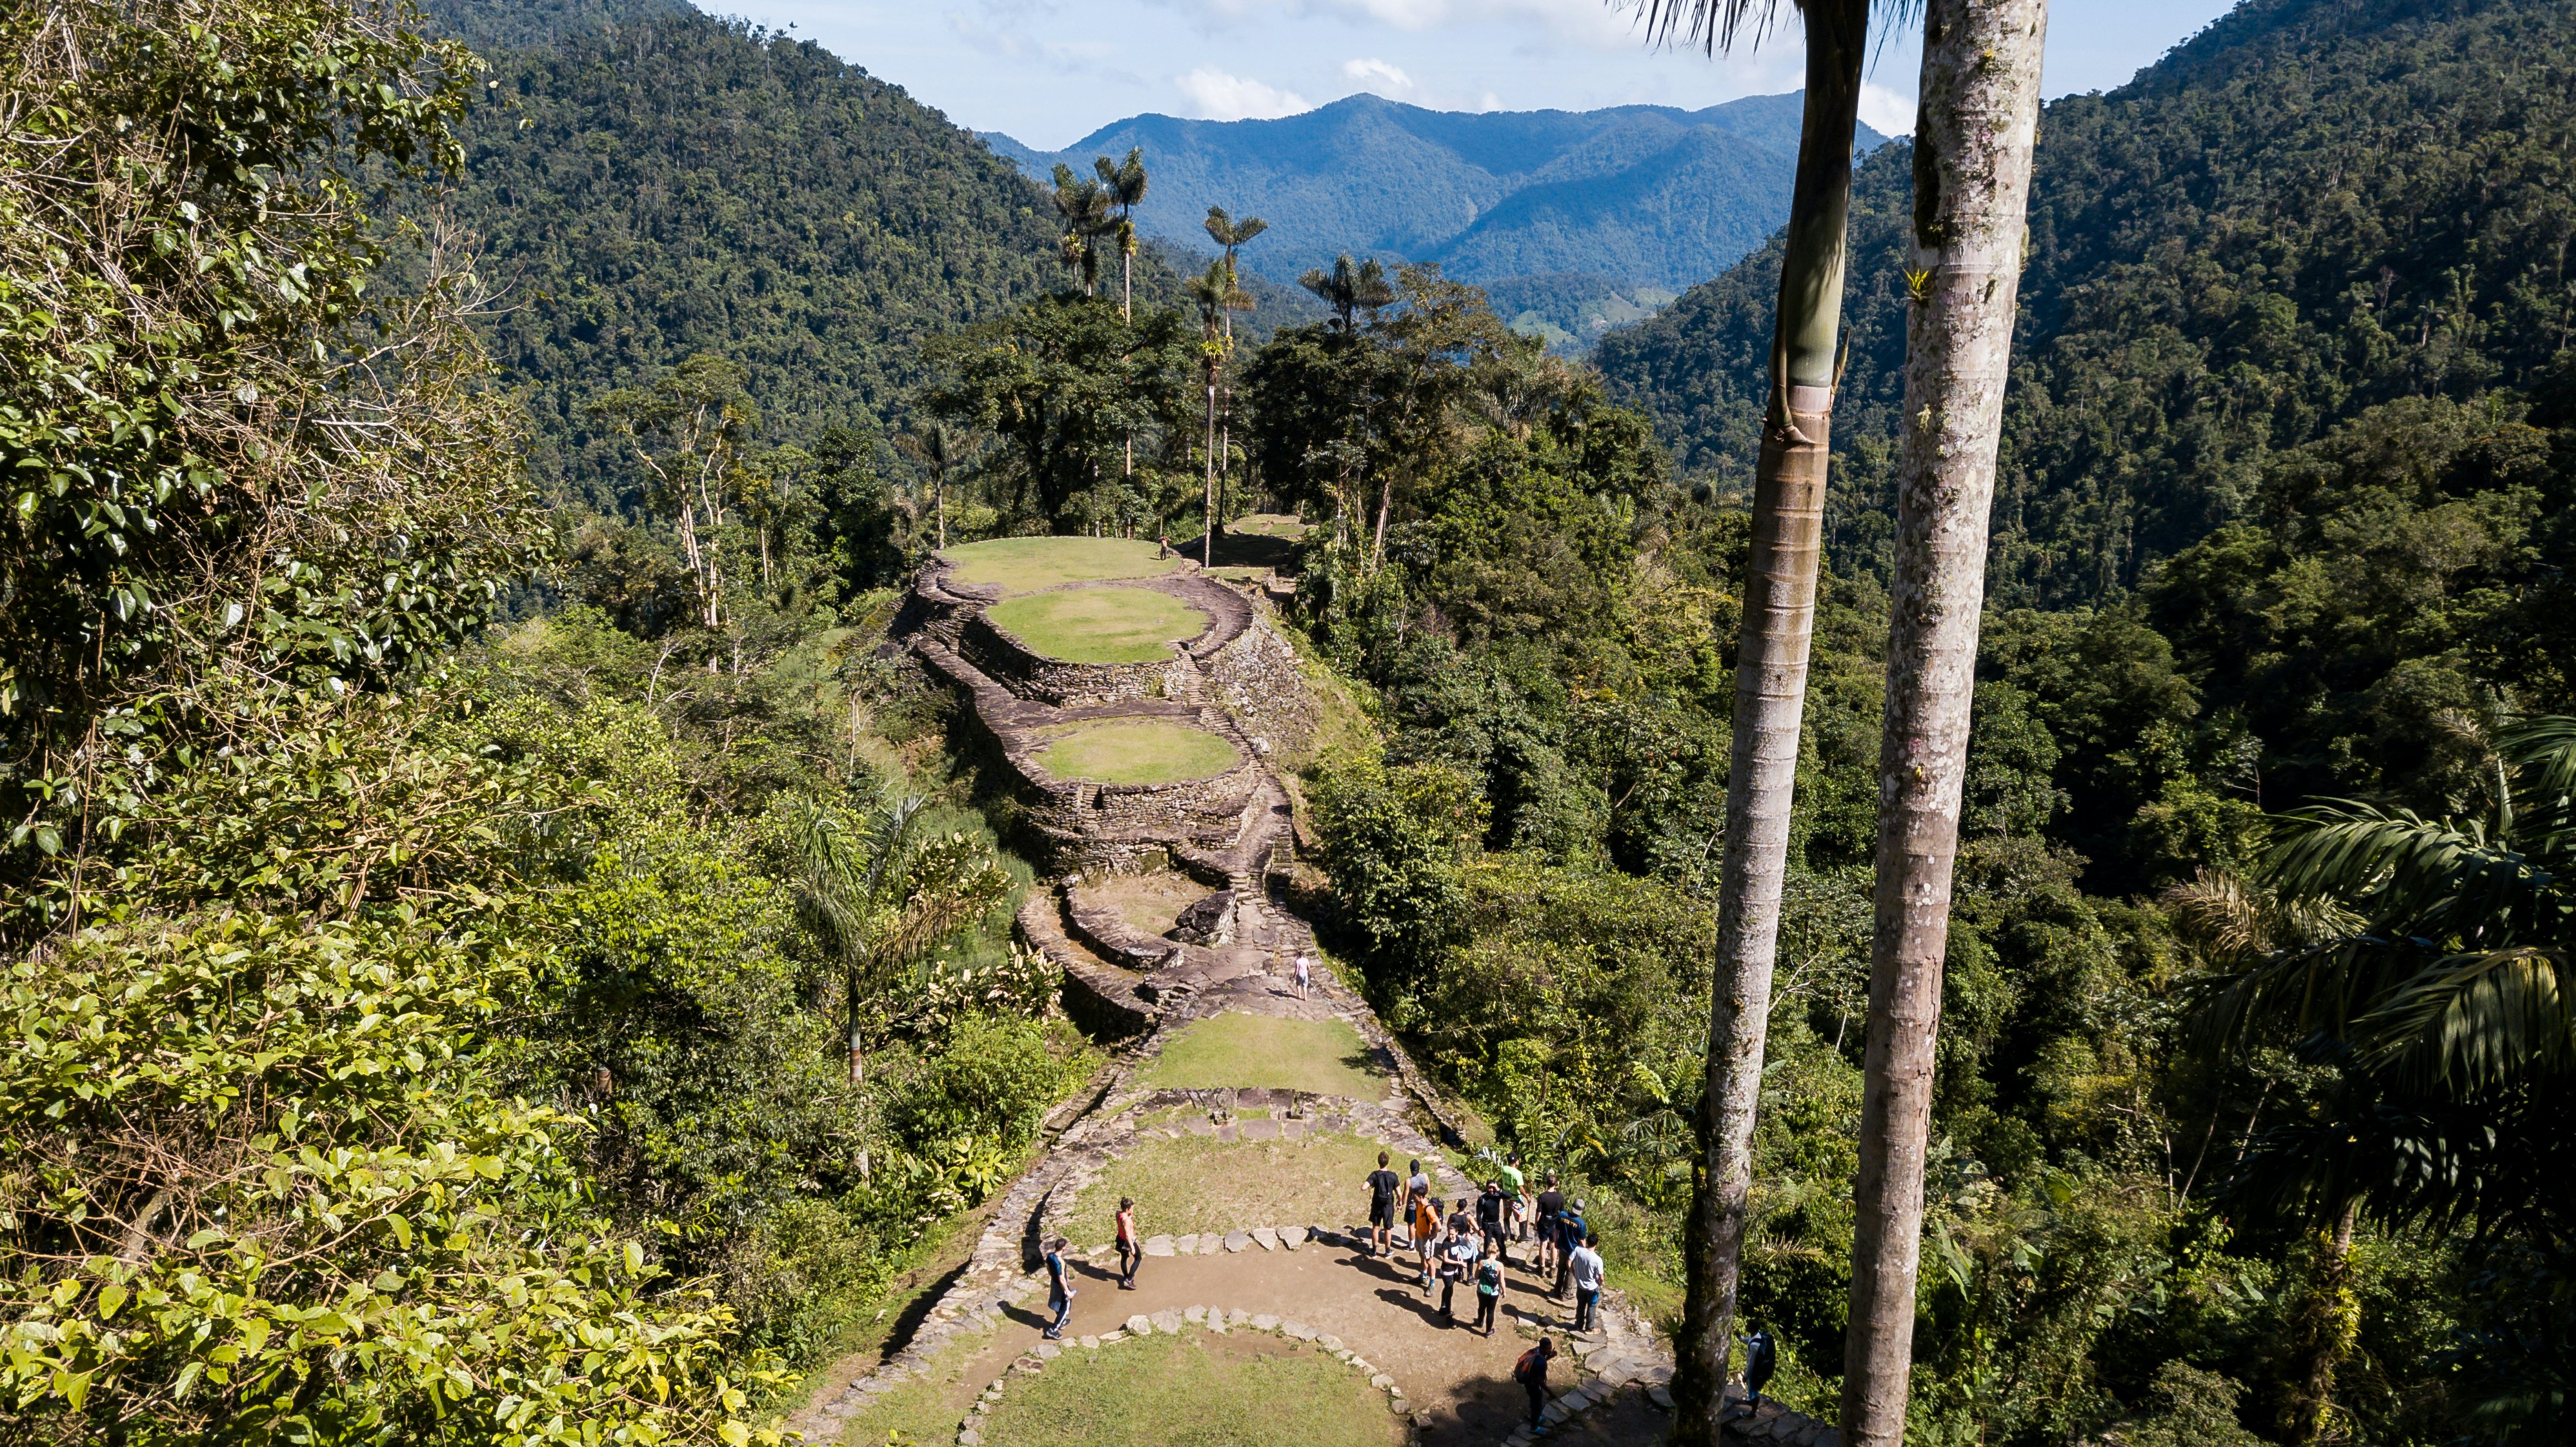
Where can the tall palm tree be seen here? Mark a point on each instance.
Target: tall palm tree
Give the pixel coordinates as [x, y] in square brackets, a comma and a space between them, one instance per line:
[1216, 295]
[1123, 185]
[1230, 234]
[1974, 129]
[936, 447]
[2442, 985]
[1350, 290]
[1083, 206]
[883, 893]
[1771, 658]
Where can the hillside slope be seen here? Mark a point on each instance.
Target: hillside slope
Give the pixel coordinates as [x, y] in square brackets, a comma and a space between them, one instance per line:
[1642, 196]
[650, 182]
[2308, 209]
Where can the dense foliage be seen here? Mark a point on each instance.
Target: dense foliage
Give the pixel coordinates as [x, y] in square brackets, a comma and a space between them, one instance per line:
[417, 1032]
[2288, 466]
[653, 184]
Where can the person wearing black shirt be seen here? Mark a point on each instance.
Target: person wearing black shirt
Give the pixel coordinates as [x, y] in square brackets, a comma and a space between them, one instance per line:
[1382, 1184]
[1489, 1218]
[1059, 1290]
[1551, 1208]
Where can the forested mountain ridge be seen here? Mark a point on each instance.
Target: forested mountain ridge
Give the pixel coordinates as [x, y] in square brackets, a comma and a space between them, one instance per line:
[648, 183]
[1639, 196]
[2306, 210]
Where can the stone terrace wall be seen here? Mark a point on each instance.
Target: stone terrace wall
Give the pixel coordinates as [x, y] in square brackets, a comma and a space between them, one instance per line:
[1256, 678]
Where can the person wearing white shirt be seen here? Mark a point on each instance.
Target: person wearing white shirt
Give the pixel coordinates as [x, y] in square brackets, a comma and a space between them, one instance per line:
[1585, 1267]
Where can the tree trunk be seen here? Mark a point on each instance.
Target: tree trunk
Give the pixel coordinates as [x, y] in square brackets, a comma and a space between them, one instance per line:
[939, 505]
[2328, 1327]
[1973, 133]
[858, 1055]
[1207, 550]
[1770, 701]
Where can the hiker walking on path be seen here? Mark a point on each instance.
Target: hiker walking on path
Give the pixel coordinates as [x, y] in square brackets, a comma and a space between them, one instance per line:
[1305, 975]
[1130, 1254]
[1570, 1231]
[1059, 1289]
[1489, 1217]
[1515, 1198]
[1551, 1209]
[1531, 1372]
[1426, 1235]
[1587, 1273]
[1489, 1291]
[1457, 1261]
[1382, 1185]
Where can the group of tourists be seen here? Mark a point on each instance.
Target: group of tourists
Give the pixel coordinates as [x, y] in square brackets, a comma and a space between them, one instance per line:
[1470, 1243]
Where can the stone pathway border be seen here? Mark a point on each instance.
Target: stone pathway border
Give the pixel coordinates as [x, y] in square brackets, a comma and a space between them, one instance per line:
[1174, 1322]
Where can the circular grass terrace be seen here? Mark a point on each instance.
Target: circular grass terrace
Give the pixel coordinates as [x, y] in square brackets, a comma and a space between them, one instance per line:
[1024, 565]
[1135, 751]
[1099, 625]
[1242, 1389]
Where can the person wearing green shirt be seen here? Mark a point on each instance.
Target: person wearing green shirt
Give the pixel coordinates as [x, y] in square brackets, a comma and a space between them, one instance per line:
[1515, 1197]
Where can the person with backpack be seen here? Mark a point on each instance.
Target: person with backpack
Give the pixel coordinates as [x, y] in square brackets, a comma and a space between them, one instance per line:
[1570, 1231]
[1457, 1260]
[1382, 1186]
[1489, 1291]
[1130, 1254]
[1761, 1359]
[1586, 1270]
[1531, 1372]
[1059, 1289]
[1515, 1196]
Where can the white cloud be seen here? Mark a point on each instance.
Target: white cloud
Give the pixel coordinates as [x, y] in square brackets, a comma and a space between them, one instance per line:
[1223, 97]
[1885, 111]
[1378, 76]
[1590, 22]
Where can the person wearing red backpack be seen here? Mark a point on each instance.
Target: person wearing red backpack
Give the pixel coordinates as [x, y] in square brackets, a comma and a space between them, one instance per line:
[1531, 1372]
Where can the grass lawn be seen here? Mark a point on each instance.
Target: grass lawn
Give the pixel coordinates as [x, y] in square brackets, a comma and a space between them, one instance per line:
[1268, 525]
[1243, 1389]
[1023, 565]
[1136, 751]
[1199, 1183]
[1100, 625]
[1325, 1057]
[922, 1412]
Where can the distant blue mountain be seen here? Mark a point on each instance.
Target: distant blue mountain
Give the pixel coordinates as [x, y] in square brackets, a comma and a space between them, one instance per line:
[1638, 200]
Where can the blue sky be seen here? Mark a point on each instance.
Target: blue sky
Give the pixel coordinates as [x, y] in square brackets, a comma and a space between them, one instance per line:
[1051, 71]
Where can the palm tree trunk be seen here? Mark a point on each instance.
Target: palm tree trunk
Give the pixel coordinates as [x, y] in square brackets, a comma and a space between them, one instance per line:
[1207, 550]
[1770, 702]
[1973, 133]
[2328, 1327]
[858, 1058]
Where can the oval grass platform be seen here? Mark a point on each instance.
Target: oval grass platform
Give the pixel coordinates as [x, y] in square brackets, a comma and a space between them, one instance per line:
[1021, 565]
[1242, 1389]
[1099, 625]
[1136, 751]
[1320, 1057]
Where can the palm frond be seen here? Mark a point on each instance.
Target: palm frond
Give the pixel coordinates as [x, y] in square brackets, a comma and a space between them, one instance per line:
[1713, 25]
[2477, 1020]
[2435, 880]
[2543, 752]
